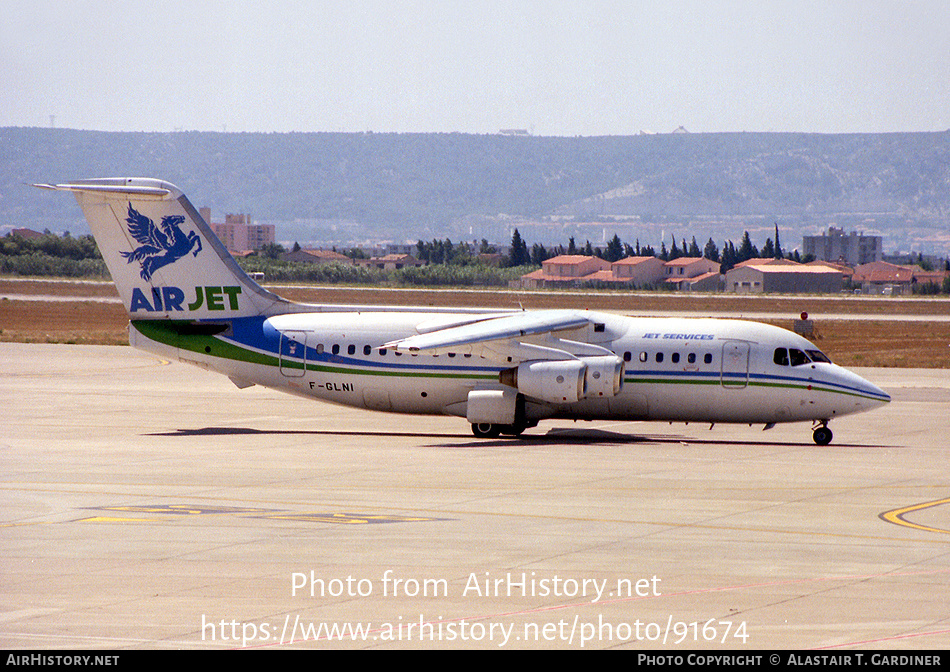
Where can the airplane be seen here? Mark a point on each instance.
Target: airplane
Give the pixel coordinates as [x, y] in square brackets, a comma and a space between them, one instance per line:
[504, 371]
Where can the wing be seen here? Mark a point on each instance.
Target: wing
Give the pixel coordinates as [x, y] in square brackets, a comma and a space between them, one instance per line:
[524, 335]
[144, 230]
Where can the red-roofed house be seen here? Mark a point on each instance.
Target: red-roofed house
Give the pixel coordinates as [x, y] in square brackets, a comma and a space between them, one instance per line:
[564, 270]
[638, 270]
[880, 277]
[692, 273]
[391, 262]
[922, 277]
[27, 233]
[316, 257]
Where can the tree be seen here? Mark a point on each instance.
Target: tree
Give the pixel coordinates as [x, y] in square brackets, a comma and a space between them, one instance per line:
[778, 245]
[711, 251]
[538, 254]
[674, 251]
[614, 251]
[422, 251]
[271, 250]
[746, 249]
[694, 248]
[519, 255]
[729, 257]
[571, 246]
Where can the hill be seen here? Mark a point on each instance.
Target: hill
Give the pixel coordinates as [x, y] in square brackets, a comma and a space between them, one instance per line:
[343, 188]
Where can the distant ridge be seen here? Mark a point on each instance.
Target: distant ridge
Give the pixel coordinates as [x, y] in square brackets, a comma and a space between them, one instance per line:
[433, 185]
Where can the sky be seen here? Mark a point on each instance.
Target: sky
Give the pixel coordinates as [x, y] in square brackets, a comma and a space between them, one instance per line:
[553, 68]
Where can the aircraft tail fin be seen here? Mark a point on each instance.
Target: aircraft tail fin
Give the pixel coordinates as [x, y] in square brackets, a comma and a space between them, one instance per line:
[165, 260]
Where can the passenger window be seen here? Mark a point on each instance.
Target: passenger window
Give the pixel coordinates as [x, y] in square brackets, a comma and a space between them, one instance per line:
[367, 350]
[691, 358]
[643, 356]
[382, 352]
[320, 348]
[627, 356]
[335, 349]
[675, 357]
[659, 357]
[708, 358]
[780, 357]
[351, 350]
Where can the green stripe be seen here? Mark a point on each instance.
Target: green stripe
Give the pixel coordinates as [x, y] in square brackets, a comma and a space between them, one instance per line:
[168, 333]
[716, 382]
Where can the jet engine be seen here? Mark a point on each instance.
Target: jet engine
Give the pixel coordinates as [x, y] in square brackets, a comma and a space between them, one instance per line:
[566, 381]
[604, 376]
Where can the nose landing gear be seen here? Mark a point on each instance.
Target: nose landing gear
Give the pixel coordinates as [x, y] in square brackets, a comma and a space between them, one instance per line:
[821, 434]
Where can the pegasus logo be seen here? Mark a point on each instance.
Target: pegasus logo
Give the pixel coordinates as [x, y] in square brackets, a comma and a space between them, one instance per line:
[159, 246]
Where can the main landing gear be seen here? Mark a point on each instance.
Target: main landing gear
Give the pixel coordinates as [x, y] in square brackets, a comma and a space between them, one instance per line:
[822, 435]
[487, 430]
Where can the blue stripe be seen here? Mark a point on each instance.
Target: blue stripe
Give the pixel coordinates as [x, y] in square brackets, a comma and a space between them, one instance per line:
[251, 332]
[754, 379]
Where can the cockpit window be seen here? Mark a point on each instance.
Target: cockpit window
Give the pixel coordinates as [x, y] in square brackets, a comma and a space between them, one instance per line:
[793, 357]
[797, 357]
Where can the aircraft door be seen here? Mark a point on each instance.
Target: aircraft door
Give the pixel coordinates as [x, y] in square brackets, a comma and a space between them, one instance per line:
[293, 353]
[735, 364]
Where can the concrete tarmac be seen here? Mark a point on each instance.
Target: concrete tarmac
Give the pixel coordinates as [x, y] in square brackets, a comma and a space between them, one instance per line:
[153, 505]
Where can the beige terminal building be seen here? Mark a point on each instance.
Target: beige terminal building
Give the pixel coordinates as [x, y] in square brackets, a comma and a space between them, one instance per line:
[771, 275]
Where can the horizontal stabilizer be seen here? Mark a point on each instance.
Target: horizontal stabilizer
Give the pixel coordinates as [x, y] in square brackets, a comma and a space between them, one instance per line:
[130, 189]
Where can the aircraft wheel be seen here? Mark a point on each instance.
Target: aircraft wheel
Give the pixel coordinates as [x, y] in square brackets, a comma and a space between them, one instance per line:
[822, 436]
[512, 430]
[485, 430]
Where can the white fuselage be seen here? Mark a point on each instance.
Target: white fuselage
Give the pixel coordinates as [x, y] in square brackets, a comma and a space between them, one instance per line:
[709, 370]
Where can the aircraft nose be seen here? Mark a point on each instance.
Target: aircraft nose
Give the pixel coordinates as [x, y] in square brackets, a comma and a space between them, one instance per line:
[856, 395]
[873, 395]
